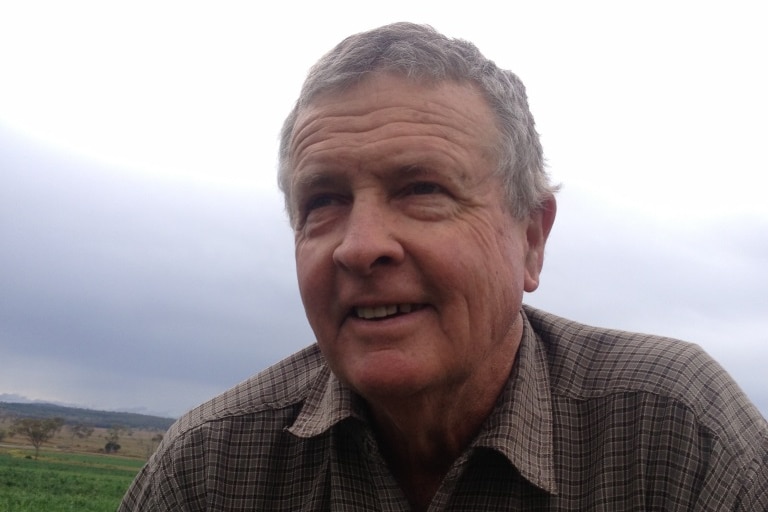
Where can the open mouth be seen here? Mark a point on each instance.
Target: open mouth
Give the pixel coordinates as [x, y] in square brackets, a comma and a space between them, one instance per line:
[382, 312]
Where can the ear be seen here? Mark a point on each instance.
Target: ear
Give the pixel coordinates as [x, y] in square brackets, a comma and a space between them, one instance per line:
[539, 225]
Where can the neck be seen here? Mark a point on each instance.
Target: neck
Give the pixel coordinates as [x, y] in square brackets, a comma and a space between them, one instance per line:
[421, 436]
[420, 455]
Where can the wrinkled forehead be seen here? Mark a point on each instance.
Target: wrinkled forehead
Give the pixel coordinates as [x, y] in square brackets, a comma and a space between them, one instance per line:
[416, 100]
[388, 106]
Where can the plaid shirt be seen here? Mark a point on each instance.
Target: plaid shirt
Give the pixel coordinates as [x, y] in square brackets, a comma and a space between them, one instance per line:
[590, 419]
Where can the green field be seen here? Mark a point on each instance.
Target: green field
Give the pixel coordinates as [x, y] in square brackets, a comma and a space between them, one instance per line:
[63, 482]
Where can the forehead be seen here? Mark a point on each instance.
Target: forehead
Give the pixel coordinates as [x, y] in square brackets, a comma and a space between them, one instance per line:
[388, 116]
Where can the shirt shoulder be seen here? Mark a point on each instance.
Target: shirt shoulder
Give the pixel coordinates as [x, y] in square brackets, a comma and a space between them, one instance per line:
[613, 388]
[238, 437]
[282, 385]
[588, 362]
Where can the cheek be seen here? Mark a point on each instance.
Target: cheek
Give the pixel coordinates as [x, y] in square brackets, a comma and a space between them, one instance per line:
[492, 251]
[317, 301]
[494, 268]
[313, 277]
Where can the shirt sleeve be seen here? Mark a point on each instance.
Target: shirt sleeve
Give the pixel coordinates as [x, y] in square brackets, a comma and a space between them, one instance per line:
[155, 489]
[756, 488]
[139, 494]
[737, 460]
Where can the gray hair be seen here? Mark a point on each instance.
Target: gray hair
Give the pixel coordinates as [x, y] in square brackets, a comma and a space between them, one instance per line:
[419, 52]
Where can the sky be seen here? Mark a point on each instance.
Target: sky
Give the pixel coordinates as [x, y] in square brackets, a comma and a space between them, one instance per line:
[146, 262]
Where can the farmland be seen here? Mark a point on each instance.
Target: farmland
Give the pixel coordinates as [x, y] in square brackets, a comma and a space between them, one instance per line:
[73, 472]
[63, 481]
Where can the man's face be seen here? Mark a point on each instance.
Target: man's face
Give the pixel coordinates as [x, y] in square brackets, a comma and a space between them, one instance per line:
[410, 267]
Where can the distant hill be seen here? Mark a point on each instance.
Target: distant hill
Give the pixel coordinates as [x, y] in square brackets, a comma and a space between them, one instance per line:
[88, 417]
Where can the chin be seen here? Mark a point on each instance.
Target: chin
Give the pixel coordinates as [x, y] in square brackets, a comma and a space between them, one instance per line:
[386, 377]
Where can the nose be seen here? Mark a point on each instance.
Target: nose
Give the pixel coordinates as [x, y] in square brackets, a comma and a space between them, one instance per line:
[370, 240]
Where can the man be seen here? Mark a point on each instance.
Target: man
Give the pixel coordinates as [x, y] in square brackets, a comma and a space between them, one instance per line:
[414, 182]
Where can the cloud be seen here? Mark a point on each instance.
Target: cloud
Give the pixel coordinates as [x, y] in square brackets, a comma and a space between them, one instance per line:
[701, 282]
[130, 280]
[130, 292]
[145, 260]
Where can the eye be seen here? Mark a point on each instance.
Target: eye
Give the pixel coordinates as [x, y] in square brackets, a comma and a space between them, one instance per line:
[319, 201]
[424, 188]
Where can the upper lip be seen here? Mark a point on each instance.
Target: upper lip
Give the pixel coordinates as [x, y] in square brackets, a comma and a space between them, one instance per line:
[381, 310]
[352, 299]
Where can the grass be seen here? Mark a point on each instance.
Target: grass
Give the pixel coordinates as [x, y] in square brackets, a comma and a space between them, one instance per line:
[63, 482]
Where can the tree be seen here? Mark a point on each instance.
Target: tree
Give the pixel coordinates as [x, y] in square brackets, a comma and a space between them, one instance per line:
[37, 431]
[153, 443]
[113, 435]
[81, 431]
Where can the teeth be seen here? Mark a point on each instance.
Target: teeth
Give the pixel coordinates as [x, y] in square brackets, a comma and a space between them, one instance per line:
[383, 311]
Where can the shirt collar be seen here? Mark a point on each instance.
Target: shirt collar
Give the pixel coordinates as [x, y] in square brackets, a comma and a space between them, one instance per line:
[328, 402]
[520, 427]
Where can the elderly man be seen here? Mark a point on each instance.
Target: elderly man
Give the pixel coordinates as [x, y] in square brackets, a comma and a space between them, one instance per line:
[414, 182]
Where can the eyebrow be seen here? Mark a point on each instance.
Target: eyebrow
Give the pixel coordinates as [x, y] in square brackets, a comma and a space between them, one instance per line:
[315, 179]
[414, 170]
[419, 170]
[328, 177]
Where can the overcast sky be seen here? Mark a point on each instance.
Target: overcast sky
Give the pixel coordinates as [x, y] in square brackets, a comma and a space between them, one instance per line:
[145, 260]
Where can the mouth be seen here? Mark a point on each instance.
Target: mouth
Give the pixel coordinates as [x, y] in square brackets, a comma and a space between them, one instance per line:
[383, 312]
